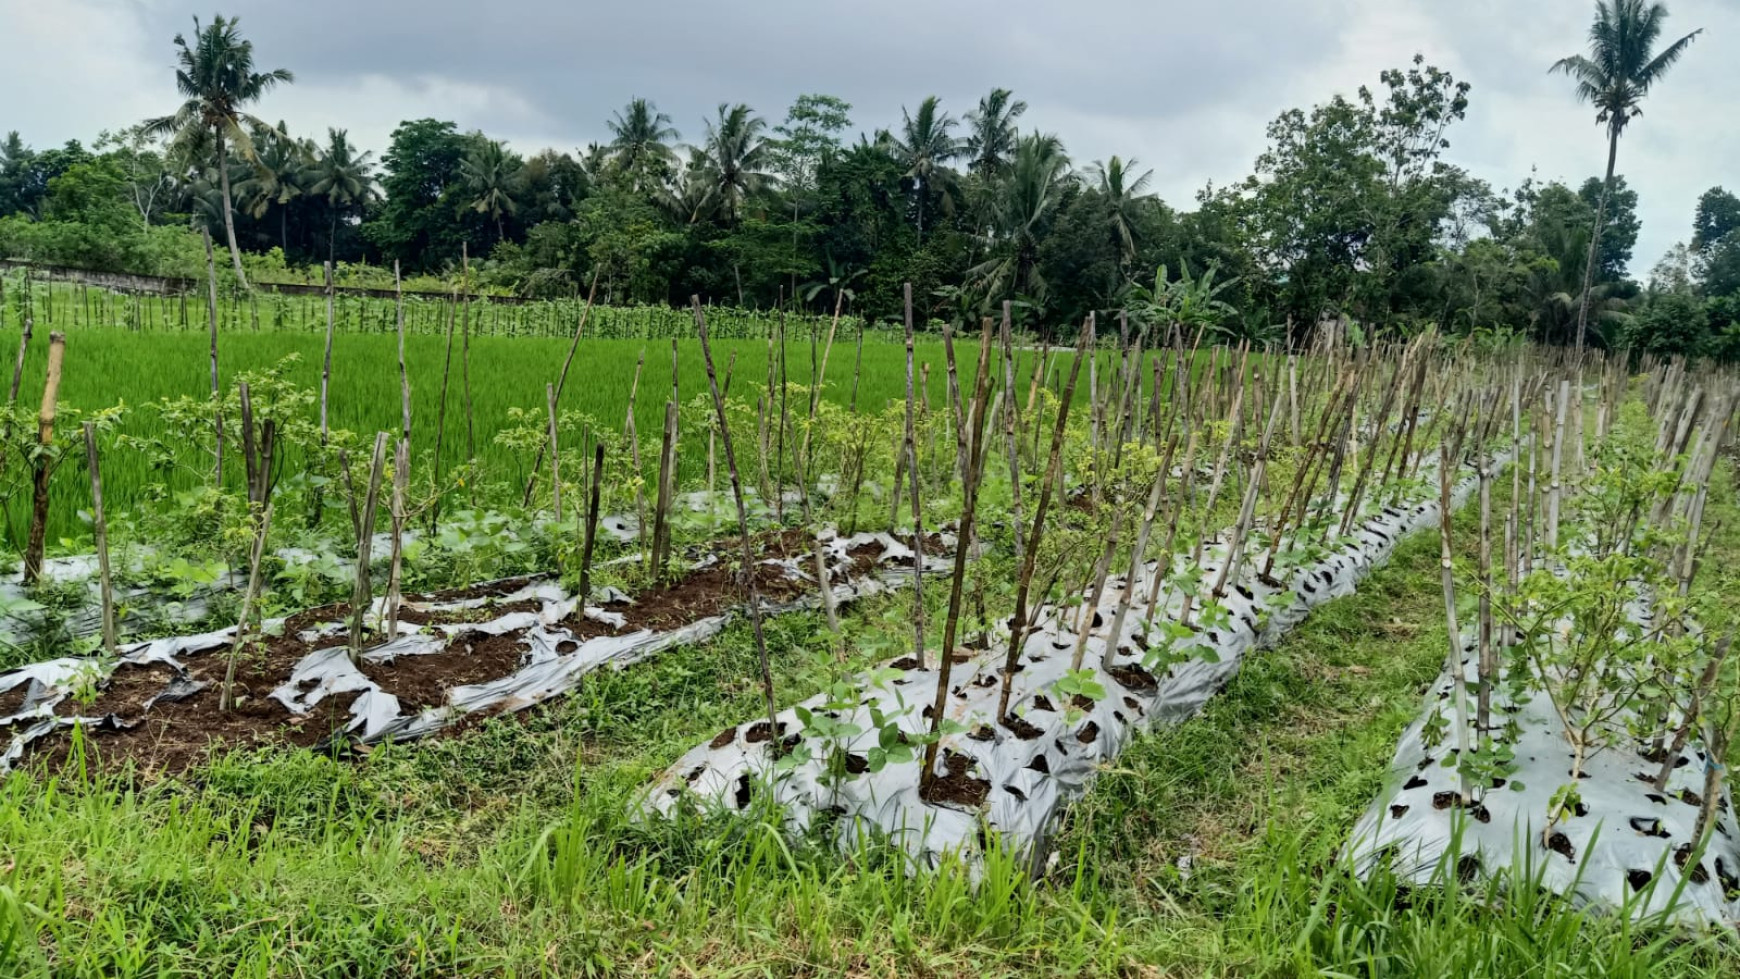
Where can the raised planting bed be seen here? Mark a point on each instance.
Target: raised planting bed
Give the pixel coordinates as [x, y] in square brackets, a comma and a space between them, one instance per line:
[1004, 781]
[487, 649]
[1623, 842]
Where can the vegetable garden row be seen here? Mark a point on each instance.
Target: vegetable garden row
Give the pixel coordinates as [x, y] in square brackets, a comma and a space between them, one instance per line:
[1090, 545]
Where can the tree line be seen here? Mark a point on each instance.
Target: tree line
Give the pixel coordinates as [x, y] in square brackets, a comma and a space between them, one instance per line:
[1353, 210]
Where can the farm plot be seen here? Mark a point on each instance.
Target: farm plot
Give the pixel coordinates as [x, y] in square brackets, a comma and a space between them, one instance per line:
[1593, 762]
[455, 657]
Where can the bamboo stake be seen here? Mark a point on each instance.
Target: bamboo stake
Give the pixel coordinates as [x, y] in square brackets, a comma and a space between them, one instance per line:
[969, 506]
[100, 528]
[555, 458]
[42, 465]
[748, 557]
[562, 376]
[911, 453]
[441, 416]
[396, 564]
[1011, 434]
[360, 595]
[1445, 478]
[1018, 624]
[1115, 636]
[1554, 488]
[465, 364]
[632, 435]
[404, 377]
[591, 527]
[956, 422]
[1229, 568]
[18, 365]
[216, 398]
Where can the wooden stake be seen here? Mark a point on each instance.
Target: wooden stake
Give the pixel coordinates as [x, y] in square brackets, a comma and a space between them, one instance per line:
[441, 416]
[969, 506]
[100, 527]
[555, 457]
[42, 466]
[591, 527]
[361, 594]
[911, 452]
[217, 405]
[1018, 624]
[747, 571]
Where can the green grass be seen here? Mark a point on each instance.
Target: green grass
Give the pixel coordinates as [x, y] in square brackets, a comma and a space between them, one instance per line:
[506, 851]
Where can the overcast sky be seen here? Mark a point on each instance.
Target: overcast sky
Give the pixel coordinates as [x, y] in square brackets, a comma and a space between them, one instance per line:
[1187, 88]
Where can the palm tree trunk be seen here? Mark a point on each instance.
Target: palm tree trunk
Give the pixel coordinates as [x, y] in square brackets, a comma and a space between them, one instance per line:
[229, 216]
[1595, 240]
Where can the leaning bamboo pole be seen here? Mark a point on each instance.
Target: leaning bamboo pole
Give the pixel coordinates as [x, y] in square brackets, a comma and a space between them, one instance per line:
[747, 555]
[1018, 624]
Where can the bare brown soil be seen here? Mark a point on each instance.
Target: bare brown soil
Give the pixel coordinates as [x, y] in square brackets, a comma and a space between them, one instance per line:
[171, 735]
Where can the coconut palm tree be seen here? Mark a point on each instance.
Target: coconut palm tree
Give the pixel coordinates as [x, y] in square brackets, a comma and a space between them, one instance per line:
[925, 146]
[991, 132]
[734, 161]
[1024, 205]
[277, 177]
[1621, 68]
[491, 174]
[1121, 194]
[342, 177]
[640, 141]
[216, 77]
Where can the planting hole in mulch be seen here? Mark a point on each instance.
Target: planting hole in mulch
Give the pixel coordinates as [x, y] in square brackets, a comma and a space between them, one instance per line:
[1133, 677]
[1561, 844]
[956, 786]
[1022, 728]
[760, 731]
[1697, 875]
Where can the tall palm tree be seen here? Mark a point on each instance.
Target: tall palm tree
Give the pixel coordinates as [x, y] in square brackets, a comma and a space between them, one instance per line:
[342, 177]
[1024, 205]
[991, 132]
[216, 77]
[1121, 194]
[1621, 68]
[734, 161]
[925, 146]
[640, 141]
[490, 174]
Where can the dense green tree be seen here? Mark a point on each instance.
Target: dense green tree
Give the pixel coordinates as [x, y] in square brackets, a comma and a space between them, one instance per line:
[1620, 69]
[1717, 216]
[277, 178]
[217, 80]
[490, 175]
[1122, 192]
[419, 223]
[1672, 323]
[735, 162]
[344, 180]
[640, 143]
[991, 133]
[1618, 231]
[924, 148]
[1026, 201]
